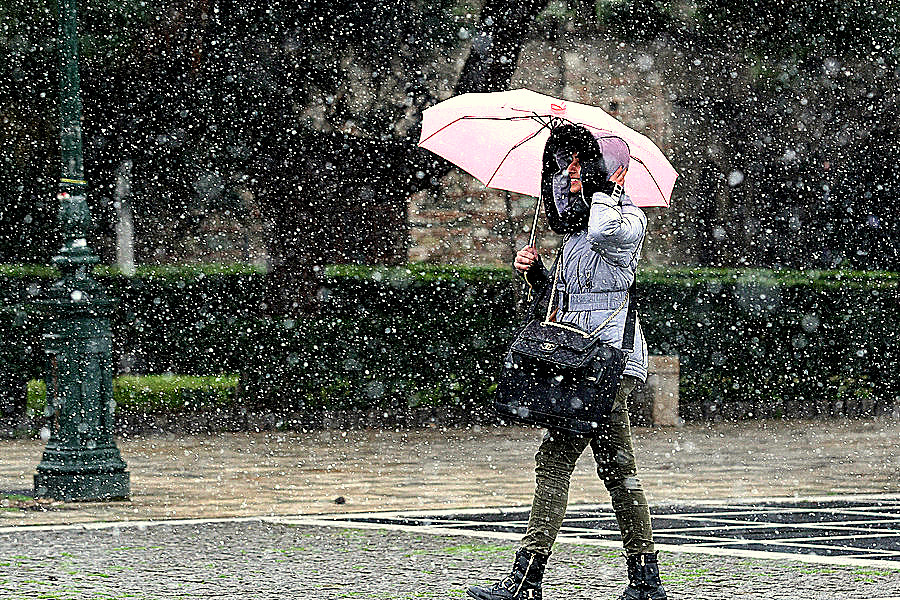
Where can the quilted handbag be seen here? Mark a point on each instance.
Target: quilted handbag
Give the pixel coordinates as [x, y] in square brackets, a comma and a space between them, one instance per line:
[557, 376]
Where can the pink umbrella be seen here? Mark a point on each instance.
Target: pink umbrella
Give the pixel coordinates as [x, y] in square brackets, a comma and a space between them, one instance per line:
[499, 138]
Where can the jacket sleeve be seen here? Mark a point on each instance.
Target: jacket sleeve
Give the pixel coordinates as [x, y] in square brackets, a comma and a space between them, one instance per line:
[636, 361]
[615, 231]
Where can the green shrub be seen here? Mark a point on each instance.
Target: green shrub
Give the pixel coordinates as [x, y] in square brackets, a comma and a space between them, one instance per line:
[168, 319]
[156, 393]
[37, 396]
[750, 342]
[175, 272]
[778, 343]
[386, 338]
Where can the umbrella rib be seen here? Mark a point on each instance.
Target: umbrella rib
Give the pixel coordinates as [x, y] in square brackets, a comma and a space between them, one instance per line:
[500, 164]
[472, 117]
[549, 124]
[545, 121]
[534, 116]
[652, 178]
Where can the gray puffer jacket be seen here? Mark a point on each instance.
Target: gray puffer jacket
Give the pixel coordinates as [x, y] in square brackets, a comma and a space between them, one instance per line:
[598, 268]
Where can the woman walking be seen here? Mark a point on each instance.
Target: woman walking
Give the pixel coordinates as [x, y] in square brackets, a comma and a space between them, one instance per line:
[599, 256]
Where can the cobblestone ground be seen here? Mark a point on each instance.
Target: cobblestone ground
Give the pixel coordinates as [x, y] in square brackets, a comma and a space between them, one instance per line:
[254, 559]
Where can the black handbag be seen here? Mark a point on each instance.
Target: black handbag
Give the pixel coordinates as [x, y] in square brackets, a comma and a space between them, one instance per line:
[558, 376]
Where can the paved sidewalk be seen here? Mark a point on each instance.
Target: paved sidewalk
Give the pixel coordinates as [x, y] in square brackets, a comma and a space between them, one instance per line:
[272, 473]
[255, 482]
[259, 559]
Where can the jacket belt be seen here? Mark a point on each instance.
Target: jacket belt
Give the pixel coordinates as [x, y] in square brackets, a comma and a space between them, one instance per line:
[590, 301]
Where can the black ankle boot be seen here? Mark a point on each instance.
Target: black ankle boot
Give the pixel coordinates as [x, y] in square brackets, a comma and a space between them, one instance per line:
[643, 579]
[524, 583]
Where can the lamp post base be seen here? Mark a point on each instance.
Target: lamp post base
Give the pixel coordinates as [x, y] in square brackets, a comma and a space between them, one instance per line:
[82, 475]
[82, 487]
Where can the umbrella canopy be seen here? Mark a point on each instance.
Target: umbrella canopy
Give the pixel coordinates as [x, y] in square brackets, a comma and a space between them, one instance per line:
[499, 138]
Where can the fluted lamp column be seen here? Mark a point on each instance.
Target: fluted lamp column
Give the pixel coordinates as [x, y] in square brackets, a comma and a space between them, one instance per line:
[81, 461]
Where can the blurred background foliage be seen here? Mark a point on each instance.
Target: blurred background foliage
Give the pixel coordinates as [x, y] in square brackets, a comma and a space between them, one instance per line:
[751, 343]
[311, 109]
[304, 115]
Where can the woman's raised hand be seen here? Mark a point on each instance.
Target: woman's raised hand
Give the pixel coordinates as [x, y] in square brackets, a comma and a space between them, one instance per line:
[525, 258]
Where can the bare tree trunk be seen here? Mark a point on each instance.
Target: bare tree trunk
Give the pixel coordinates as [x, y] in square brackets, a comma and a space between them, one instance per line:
[494, 56]
[124, 219]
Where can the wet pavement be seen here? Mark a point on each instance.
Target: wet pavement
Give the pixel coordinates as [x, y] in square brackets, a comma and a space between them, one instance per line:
[861, 530]
[260, 559]
[275, 483]
[272, 473]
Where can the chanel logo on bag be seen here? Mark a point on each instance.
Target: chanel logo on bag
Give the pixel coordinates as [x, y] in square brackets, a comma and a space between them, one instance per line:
[548, 346]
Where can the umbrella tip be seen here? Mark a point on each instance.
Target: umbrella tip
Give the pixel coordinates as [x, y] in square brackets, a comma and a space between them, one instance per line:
[558, 108]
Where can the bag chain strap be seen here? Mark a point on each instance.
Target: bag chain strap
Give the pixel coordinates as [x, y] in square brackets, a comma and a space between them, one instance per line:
[547, 320]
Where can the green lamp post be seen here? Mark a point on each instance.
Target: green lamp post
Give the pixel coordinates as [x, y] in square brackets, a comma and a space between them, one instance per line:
[81, 461]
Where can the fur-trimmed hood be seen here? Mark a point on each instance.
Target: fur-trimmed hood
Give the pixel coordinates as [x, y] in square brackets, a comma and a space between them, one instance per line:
[599, 155]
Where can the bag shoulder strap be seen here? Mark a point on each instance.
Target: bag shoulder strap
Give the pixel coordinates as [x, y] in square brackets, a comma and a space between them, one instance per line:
[558, 265]
[630, 333]
[586, 334]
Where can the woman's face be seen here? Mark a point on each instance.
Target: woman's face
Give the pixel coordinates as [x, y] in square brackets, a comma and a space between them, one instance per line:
[574, 170]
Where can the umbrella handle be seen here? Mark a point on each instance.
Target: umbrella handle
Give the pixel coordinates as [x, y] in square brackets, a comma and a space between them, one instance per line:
[531, 240]
[534, 222]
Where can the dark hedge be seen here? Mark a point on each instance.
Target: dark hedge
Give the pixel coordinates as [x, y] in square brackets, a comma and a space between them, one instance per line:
[773, 344]
[388, 338]
[171, 319]
[751, 343]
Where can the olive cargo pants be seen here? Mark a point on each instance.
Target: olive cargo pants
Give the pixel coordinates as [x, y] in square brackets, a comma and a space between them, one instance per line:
[614, 455]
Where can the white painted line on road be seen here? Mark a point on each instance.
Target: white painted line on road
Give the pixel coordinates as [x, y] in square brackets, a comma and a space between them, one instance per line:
[687, 548]
[570, 535]
[747, 505]
[96, 525]
[314, 521]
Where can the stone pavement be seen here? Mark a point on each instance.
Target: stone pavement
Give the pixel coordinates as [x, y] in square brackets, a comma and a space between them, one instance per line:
[273, 473]
[260, 559]
[266, 477]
